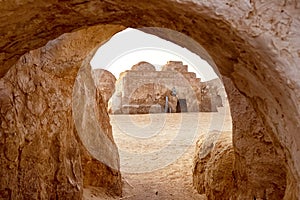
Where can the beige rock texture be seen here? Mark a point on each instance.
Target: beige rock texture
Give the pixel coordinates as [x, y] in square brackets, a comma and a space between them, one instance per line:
[105, 82]
[258, 172]
[100, 157]
[41, 156]
[253, 43]
[213, 166]
[259, 168]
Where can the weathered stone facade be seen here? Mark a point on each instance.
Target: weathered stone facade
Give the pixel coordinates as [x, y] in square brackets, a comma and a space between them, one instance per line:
[143, 89]
[213, 95]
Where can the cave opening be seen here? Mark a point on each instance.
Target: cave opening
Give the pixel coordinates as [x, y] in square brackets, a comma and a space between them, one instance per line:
[257, 54]
[157, 148]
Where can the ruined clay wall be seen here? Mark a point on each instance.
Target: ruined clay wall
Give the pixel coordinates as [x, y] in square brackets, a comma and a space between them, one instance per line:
[134, 80]
[213, 95]
[143, 66]
[192, 90]
[144, 87]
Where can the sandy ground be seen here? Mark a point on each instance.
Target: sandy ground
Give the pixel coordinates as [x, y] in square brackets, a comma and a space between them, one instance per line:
[156, 153]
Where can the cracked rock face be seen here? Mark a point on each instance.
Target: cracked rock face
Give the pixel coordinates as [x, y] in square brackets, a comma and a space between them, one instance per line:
[249, 167]
[259, 168]
[213, 167]
[99, 153]
[105, 82]
[40, 152]
[253, 43]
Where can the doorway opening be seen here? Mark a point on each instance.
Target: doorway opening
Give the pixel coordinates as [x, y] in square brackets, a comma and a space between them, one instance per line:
[181, 106]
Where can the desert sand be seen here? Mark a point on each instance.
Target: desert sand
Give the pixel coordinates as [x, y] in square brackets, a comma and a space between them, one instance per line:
[156, 153]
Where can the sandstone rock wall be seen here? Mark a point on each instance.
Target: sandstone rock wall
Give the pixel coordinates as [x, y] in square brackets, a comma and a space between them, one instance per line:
[39, 153]
[261, 72]
[41, 157]
[250, 168]
[259, 166]
[213, 167]
[105, 82]
[254, 43]
[99, 153]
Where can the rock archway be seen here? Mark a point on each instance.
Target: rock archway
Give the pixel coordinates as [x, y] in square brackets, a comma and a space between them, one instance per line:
[254, 45]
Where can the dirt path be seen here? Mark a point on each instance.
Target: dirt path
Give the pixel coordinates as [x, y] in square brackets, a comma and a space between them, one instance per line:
[156, 152]
[172, 182]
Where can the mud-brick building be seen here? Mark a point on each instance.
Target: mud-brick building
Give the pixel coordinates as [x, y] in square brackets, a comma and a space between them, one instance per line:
[143, 89]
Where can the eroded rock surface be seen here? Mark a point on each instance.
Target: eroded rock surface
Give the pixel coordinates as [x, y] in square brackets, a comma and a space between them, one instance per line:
[105, 82]
[99, 153]
[213, 167]
[39, 152]
[259, 167]
[40, 158]
[254, 43]
[257, 172]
